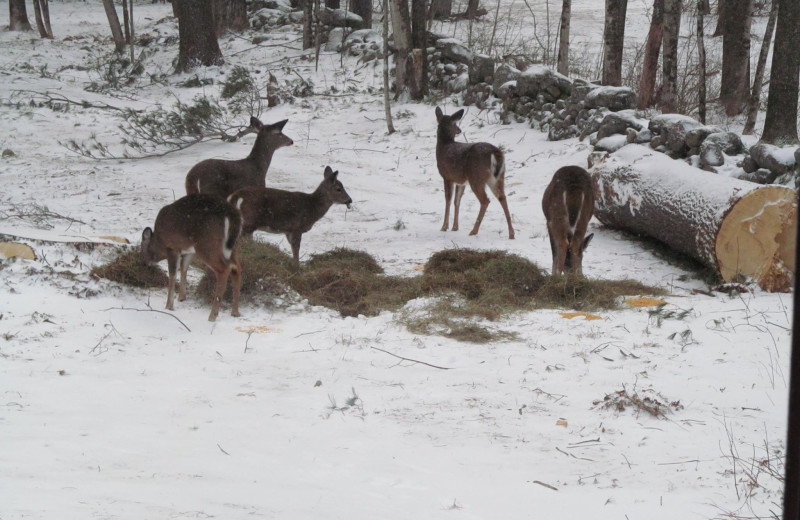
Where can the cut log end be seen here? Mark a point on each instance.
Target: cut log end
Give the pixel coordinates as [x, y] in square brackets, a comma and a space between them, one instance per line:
[757, 238]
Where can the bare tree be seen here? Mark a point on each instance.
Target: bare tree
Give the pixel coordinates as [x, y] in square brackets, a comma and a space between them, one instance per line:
[363, 8]
[758, 80]
[41, 10]
[440, 9]
[613, 41]
[197, 34]
[781, 123]
[113, 22]
[18, 16]
[386, 103]
[563, 38]
[401, 29]
[652, 49]
[308, 23]
[230, 15]
[734, 23]
[702, 10]
[418, 86]
[669, 72]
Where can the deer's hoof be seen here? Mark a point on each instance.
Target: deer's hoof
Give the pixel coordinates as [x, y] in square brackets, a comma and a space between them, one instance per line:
[235, 314]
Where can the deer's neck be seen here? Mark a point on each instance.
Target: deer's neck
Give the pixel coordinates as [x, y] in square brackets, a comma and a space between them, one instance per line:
[320, 203]
[261, 155]
[443, 138]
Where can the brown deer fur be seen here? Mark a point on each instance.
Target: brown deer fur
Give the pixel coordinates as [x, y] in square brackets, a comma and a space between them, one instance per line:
[289, 212]
[221, 178]
[480, 164]
[202, 225]
[568, 205]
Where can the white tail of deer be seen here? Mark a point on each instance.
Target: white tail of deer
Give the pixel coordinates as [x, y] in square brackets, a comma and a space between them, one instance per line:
[568, 205]
[202, 225]
[221, 178]
[479, 164]
[289, 212]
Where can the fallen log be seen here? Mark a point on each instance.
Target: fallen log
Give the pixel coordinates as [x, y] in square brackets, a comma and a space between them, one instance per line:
[734, 226]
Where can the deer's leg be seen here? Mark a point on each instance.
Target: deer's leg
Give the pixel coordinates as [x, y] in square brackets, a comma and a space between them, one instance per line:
[553, 251]
[499, 192]
[172, 267]
[236, 274]
[294, 241]
[480, 192]
[219, 292]
[448, 194]
[457, 204]
[576, 255]
[186, 259]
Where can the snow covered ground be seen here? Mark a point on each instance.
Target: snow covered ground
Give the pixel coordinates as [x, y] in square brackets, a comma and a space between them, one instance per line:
[108, 410]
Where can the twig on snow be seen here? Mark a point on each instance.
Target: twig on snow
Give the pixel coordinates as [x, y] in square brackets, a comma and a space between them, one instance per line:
[412, 360]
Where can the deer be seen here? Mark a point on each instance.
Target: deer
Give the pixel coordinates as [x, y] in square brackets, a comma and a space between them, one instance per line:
[291, 213]
[568, 205]
[202, 225]
[480, 164]
[222, 177]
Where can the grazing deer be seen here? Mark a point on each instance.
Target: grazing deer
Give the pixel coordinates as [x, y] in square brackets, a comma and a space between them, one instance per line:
[480, 164]
[221, 178]
[568, 205]
[289, 212]
[199, 224]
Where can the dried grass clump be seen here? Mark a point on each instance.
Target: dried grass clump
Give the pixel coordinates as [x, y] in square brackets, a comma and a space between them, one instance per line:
[584, 294]
[128, 268]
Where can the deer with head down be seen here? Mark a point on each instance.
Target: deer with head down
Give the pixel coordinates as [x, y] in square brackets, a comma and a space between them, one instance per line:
[202, 225]
[568, 205]
[479, 164]
[222, 177]
[291, 213]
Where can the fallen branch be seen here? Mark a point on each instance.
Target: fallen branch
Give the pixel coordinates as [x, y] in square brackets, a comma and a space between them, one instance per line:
[149, 309]
[412, 360]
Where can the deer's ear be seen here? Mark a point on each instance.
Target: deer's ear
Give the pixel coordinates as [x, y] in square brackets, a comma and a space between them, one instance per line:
[255, 123]
[586, 241]
[329, 174]
[458, 115]
[279, 125]
[146, 235]
[439, 114]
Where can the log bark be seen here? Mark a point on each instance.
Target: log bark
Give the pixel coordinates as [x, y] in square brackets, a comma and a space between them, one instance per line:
[734, 226]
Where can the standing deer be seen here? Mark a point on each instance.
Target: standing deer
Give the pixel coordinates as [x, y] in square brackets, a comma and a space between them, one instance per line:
[480, 164]
[203, 225]
[221, 177]
[289, 212]
[568, 205]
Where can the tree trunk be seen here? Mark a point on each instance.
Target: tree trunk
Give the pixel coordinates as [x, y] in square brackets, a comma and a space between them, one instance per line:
[652, 49]
[113, 22]
[735, 82]
[613, 41]
[196, 31]
[441, 9]
[333, 4]
[755, 94]
[363, 8]
[472, 9]
[387, 107]
[230, 14]
[126, 21]
[667, 101]
[734, 226]
[42, 13]
[308, 24]
[419, 55]
[401, 29]
[781, 123]
[563, 38]
[18, 16]
[701, 60]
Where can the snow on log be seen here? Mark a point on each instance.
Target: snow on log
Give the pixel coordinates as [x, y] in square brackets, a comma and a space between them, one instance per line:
[734, 226]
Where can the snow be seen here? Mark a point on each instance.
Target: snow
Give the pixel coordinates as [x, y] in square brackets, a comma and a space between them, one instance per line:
[112, 410]
[541, 71]
[611, 143]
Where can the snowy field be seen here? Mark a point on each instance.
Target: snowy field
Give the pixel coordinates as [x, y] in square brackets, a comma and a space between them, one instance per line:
[108, 410]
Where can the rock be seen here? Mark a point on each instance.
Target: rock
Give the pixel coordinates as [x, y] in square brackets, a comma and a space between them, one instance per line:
[618, 123]
[673, 128]
[296, 16]
[796, 158]
[592, 124]
[613, 98]
[507, 90]
[8, 152]
[711, 154]
[503, 74]
[776, 159]
[481, 69]
[611, 143]
[630, 135]
[698, 135]
[267, 17]
[579, 90]
[760, 176]
[459, 83]
[454, 50]
[749, 165]
[643, 136]
[335, 37]
[729, 142]
[340, 18]
[561, 131]
[660, 124]
[537, 79]
[656, 142]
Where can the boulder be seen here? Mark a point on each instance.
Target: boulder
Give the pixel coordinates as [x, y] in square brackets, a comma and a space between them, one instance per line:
[580, 88]
[660, 124]
[729, 142]
[503, 74]
[612, 98]
[760, 176]
[711, 155]
[611, 143]
[749, 165]
[673, 129]
[335, 37]
[537, 79]
[340, 18]
[776, 159]
[618, 123]
[454, 50]
[506, 90]
[481, 69]
[698, 135]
